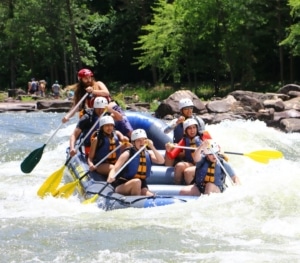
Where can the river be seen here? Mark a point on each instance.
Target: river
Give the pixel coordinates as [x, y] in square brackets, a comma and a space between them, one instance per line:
[255, 222]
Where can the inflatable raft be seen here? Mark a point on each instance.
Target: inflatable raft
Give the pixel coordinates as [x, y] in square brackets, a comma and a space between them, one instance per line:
[160, 181]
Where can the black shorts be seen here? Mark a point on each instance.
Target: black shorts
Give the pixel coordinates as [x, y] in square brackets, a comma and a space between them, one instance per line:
[122, 180]
[201, 188]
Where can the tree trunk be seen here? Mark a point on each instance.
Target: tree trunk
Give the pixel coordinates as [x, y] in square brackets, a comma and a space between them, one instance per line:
[75, 48]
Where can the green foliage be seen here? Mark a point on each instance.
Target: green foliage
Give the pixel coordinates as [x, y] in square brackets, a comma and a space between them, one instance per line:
[180, 41]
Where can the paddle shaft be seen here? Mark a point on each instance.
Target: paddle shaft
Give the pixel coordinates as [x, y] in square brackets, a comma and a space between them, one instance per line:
[125, 164]
[94, 198]
[101, 161]
[90, 131]
[222, 166]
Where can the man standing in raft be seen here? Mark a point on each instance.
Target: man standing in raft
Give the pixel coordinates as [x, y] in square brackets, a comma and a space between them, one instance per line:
[87, 84]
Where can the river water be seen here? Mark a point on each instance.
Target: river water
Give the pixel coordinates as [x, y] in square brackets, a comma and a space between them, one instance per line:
[255, 222]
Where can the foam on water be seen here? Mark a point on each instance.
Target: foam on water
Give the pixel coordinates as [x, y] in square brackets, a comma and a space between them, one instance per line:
[255, 222]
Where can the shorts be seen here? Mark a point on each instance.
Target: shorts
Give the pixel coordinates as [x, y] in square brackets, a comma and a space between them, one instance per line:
[124, 125]
[201, 188]
[122, 180]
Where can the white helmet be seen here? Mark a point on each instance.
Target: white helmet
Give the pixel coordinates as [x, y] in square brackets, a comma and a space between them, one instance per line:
[183, 103]
[100, 103]
[213, 147]
[189, 122]
[137, 134]
[106, 120]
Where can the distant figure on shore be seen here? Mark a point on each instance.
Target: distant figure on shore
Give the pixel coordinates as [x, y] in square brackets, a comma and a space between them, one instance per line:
[56, 89]
[135, 97]
[33, 86]
[42, 88]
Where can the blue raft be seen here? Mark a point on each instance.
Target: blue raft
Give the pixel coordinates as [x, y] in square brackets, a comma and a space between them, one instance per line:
[160, 181]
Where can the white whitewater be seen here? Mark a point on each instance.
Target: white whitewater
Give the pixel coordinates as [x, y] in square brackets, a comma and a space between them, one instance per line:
[255, 222]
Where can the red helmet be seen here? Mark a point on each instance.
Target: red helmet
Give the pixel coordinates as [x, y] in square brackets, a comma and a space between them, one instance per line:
[84, 73]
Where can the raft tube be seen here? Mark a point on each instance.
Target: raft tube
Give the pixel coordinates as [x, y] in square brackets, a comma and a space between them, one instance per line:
[160, 182]
[154, 127]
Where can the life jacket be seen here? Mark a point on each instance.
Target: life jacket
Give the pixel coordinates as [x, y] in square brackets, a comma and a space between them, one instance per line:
[179, 132]
[194, 142]
[93, 117]
[139, 167]
[174, 153]
[207, 171]
[105, 145]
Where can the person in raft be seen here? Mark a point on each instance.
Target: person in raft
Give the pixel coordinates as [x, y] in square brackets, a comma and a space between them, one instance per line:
[87, 84]
[211, 171]
[184, 170]
[105, 140]
[186, 108]
[132, 179]
[87, 121]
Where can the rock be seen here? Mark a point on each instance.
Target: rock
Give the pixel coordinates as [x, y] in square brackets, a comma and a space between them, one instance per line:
[171, 104]
[56, 104]
[290, 125]
[279, 110]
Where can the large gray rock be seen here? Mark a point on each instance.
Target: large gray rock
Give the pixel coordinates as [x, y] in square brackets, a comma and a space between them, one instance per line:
[54, 104]
[171, 104]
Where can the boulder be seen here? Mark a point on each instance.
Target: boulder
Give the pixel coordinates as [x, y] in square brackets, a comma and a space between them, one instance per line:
[171, 104]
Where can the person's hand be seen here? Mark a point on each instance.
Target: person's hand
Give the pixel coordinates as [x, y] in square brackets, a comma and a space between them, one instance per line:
[73, 152]
[64, 119]
[89, 89]
[126, 141]
[169, 146]
[110, 179]
[181, 119]
[149, 143]
[92, 168]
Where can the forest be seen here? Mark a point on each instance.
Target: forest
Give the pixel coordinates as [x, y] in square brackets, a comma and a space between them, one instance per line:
[237, 43]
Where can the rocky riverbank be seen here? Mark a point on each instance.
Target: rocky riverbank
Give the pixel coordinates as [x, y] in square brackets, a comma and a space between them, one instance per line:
[280, 110]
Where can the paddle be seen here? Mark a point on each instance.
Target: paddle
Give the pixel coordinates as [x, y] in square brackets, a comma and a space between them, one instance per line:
[52, 182]
[222, 166]
[35, 156]
[262, 156]
[68, 189]
[95, 197]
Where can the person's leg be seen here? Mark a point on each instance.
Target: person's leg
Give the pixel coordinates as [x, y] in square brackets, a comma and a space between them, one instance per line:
[189, 174]
[178, 172]
[211, 188]
[190, 190]
[131, 187]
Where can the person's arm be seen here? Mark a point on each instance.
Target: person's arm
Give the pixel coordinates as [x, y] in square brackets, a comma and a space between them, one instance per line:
[198, 152]
[117, 116]
[101, 91]
[172, 125]
[235, 179]
[73, 139]
[155, 155]
[92, 154]
[121, 137]
[118, 165]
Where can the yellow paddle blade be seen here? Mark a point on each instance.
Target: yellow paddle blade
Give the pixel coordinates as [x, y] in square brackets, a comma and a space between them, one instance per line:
[271, 154]
[258, 158]
[264, 156]
[91, 200]
[51, 183]
[66, 190]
